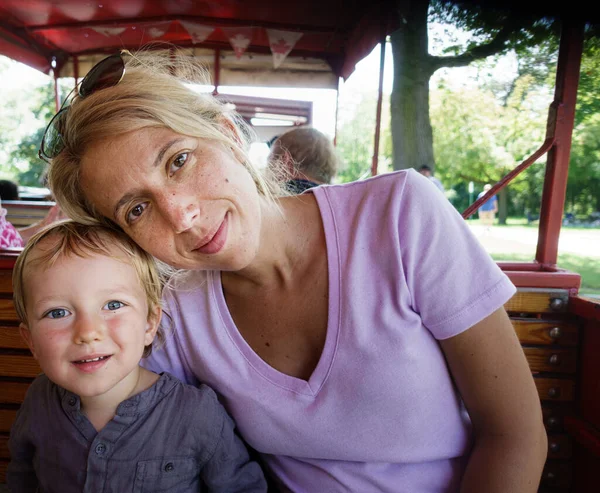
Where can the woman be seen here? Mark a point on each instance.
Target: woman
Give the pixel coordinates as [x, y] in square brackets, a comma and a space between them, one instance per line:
[343, 329]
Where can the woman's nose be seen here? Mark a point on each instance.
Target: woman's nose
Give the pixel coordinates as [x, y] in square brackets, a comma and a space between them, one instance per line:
[180, 213]
[88, 329]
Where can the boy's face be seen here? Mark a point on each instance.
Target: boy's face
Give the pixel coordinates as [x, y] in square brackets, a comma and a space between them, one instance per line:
[88, 321]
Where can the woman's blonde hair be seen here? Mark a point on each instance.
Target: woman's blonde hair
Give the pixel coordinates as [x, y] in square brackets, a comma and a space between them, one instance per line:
[84, 240]
[155, 92]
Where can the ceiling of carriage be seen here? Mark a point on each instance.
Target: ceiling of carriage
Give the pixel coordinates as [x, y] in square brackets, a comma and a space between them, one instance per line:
[322, 38]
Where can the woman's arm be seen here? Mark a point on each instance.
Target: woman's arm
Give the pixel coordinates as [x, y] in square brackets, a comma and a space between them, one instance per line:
[54, 214]
[494, 379]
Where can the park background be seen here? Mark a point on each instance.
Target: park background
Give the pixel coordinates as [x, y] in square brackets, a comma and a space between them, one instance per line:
[486, 118]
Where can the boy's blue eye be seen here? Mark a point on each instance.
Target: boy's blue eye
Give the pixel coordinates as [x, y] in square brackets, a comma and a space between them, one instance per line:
[114, 305]
[57, 313]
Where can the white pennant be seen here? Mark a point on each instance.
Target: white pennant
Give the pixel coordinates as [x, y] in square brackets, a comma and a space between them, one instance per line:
[197, 32]
[281, 43]
[239, 37]
[109, 31]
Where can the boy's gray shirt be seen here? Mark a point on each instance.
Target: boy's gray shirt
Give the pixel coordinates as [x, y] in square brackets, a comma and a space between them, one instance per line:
[171, 437]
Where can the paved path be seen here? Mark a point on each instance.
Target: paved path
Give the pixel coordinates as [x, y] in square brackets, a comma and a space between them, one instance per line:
[523, 240]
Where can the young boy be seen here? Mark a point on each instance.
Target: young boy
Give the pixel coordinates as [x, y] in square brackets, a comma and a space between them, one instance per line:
[89, 301]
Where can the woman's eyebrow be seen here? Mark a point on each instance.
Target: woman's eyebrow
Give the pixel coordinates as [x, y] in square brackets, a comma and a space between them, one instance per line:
[164, 149]
[159, 157]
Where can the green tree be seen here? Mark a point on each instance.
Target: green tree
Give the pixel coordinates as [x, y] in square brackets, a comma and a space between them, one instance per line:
[494, 31]
[355, 140]
[479, 138]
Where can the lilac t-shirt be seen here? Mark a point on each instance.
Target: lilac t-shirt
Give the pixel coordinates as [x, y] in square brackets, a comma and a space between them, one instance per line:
[380, 412]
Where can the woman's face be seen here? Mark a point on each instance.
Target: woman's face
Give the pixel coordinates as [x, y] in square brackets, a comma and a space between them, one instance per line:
[190, 203]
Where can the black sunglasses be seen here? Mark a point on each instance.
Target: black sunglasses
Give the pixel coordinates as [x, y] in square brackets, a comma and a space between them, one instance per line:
[106, 73]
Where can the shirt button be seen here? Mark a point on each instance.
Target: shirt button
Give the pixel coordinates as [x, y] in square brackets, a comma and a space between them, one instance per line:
[100, 449]
[169, 467]
[72, 401]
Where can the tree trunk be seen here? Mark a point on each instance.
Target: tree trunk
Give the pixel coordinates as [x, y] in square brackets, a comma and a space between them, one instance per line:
[502, 206]
[412, 136]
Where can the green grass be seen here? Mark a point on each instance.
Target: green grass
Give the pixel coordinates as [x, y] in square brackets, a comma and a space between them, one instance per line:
[588, 267]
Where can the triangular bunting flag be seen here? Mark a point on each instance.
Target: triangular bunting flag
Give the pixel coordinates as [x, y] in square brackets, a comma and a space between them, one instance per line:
[109, 31]
[239, 37]
[197, 32]
[282, 42]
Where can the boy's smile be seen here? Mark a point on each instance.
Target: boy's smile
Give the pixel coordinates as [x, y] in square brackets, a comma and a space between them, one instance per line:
[88, 322]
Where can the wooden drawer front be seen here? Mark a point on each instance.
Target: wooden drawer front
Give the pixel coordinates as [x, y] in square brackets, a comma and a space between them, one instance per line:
[7, 311]
[542, 332]
[7, 417]
[559, 446]
[6, 283]
[553, 419]
[557, 474]
[13, 392]
[551, 360]
[555, 389]
[18, 366]
[4, 447]
[11, 338]
[538, 301]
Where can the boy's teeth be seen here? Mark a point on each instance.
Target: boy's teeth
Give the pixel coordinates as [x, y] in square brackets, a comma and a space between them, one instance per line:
[90, 360]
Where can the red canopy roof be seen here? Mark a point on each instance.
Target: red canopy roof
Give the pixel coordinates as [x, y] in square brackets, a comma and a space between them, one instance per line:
[339, 32]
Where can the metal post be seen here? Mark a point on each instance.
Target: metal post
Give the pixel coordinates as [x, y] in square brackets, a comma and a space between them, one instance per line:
[75, 70]
[217, 71]
[375, 159]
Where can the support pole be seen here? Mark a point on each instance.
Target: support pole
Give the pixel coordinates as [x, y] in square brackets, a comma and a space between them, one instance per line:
[337, 111]
[56, 89]
[217, 71]
[375, 160]
[560, 124]
[75, 70]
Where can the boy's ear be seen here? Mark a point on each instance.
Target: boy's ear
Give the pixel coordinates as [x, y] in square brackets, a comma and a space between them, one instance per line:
[152, 325]
[26, 335]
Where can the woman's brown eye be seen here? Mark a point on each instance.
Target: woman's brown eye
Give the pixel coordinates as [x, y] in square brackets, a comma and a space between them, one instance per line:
[135, 212]
[178, 163]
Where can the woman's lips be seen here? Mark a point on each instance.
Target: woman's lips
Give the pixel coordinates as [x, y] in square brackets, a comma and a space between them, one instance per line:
[216, 243]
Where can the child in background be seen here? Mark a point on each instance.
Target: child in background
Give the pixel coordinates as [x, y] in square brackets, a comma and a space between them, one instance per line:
[9, 236]
[89, 301]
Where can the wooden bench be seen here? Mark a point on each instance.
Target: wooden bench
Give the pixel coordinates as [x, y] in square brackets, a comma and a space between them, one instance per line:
[549, 333]
[23, 213]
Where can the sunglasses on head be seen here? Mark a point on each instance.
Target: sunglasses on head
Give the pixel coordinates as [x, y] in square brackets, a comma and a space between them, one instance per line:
[106, 73]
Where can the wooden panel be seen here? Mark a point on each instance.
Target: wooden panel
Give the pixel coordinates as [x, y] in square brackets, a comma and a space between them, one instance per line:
[560, 446]
[4, 454]
[544, 332]
[7, 417]
[538, 301]
[13, 392]
[3, 466]
[6, 282]
[7, 311]
[18, 366]
[589, 383]
[11, 338]
[553, 418]
[557, 474]
[555, 389]
[551, 360]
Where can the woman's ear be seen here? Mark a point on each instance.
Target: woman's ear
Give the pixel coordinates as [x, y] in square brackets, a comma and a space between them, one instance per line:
[153, 324]
[26, 335]
[232, 131]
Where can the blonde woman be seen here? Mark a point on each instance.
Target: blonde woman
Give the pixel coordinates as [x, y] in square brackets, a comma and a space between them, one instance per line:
[356, 333]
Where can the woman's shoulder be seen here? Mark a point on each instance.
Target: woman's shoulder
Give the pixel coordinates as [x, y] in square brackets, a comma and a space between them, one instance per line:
[386, 181]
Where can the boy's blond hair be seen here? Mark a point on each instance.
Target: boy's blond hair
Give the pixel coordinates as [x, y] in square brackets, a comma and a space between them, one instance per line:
[83, 240]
